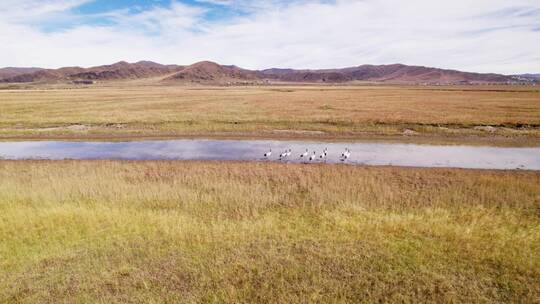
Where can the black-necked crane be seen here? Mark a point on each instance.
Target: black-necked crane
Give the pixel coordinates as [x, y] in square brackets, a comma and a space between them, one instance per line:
[313, 156]
[268, 154]
[285, 154]
[305, 154]
[324, 153]
[289, 153]
[346, 155]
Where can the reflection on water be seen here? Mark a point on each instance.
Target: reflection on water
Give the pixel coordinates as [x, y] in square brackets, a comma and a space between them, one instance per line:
[361, 153]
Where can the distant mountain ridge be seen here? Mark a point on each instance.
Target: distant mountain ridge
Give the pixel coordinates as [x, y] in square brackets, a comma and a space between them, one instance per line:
[118, 71]
[213, 73]
[12, 72]
[385, 73]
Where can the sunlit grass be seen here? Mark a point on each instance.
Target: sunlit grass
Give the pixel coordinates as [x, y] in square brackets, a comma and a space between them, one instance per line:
[106, 231]
[355, 111]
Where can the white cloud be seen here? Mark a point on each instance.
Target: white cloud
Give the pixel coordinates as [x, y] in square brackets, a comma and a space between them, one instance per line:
[20, 11]
[481, 35]
[217, 2]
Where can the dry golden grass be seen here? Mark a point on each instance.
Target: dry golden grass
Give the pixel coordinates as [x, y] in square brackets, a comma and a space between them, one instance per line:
[185, 232]
[309, 111]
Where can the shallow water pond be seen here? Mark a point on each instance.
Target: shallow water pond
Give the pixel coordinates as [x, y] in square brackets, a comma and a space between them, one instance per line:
[253, 150]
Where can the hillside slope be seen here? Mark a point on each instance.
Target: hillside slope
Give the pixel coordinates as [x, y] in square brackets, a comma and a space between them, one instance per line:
[214, 73]
[12, 71]
[117, 71]
[207, 71]
[383, 73]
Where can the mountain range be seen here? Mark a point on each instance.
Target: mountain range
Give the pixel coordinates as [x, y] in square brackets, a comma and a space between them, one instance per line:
[10, 72]
[213, 73]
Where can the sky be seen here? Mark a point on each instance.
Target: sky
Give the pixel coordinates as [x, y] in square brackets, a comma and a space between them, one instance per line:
[497, 36]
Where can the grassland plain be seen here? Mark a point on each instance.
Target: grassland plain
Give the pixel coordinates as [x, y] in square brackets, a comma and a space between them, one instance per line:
[185, 232]
[461, 114]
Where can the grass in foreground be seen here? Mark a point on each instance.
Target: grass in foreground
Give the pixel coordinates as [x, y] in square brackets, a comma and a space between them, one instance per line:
[510, 113]
[181, 232]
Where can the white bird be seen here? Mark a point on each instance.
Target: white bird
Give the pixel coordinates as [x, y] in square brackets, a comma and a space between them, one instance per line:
[346, 155]
[324, 153]
[313, 157]
[267, 154]
[305, 154]
[286, 153]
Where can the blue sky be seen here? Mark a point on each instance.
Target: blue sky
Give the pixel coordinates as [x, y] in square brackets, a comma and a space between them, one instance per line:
[96, 12]
[483, 35]
[100, 6]
[214, 9]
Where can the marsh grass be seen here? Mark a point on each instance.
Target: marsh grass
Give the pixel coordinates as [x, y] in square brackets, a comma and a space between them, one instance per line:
[154, 232]
[350, 111]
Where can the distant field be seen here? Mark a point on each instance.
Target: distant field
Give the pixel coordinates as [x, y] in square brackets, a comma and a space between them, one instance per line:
[498, 114]
[104, 231]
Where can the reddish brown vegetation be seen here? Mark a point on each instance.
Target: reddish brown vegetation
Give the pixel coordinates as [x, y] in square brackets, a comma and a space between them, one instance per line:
[211, 72]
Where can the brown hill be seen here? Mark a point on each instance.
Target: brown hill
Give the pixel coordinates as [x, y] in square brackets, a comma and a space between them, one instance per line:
[124, 70]
[207, 71]
[117, 71]
[12, 72]
[398, 73]
[211, 72]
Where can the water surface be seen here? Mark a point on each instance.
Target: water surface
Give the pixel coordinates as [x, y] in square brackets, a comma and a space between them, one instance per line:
[253, 150]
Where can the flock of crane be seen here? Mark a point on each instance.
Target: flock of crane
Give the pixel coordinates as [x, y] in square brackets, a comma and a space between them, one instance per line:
[306, 156]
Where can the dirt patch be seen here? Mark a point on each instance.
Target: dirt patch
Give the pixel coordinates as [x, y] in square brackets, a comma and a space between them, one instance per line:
[77, 127]
[309, 132]
[489, 129]
[409, 132]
